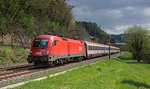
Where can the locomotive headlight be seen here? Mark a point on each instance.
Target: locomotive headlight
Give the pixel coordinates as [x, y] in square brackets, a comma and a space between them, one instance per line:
[47, 52]
[30, 52]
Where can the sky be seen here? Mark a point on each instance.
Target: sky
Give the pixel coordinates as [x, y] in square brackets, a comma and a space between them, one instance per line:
[113, 16]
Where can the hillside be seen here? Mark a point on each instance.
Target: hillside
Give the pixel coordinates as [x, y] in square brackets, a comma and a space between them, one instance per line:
[98, 35]
[118, 37]
[21, 20]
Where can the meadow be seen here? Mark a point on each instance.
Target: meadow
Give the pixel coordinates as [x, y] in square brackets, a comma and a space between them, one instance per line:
[117, 73]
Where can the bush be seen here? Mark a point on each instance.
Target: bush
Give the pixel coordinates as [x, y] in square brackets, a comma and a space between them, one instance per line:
[14, 59]
[16, 55]
[5, 54]
[1, 52]
[2, 60]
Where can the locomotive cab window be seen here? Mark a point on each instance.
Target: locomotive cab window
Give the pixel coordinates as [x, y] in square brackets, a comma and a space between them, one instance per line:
[54, 43]
[40, 43]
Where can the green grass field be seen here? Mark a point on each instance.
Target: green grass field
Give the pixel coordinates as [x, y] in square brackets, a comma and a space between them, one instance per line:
[15, 55]
[117, 73]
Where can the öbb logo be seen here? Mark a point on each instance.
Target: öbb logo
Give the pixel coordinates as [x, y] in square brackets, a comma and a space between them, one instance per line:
[80, 48]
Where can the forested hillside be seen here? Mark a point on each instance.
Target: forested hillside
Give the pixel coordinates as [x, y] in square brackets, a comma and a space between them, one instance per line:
[98, 34]
[28, 18]
[22, 20]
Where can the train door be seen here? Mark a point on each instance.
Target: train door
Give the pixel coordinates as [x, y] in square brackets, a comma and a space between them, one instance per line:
[104, 49]
[68, 48]
[58, 48]
[86, 49]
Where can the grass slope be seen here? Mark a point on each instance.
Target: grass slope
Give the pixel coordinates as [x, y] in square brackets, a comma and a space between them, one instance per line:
[16, 55]
[117, 73]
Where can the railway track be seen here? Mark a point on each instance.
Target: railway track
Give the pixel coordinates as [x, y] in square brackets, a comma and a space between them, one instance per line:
[12, 69]
[15, 67]
[13, 74]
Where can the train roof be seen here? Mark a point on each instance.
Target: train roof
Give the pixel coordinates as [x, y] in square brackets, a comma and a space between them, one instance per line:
[98, 44]
[95, 44]
[43, 36]
[57, 37]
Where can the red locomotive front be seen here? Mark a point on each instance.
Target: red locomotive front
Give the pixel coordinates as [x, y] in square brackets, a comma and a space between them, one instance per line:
[49, 49]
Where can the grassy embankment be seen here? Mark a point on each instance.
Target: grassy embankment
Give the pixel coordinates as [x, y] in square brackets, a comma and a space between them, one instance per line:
[16, 55]
[117, 73]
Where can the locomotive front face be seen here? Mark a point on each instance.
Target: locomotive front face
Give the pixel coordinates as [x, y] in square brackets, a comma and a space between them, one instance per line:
[39, 50]
[40, 47]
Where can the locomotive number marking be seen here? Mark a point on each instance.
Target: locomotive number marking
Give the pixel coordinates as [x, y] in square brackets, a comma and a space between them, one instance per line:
[38, 53]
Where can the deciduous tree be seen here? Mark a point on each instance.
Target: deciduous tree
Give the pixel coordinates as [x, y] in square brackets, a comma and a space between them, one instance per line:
[137, 41]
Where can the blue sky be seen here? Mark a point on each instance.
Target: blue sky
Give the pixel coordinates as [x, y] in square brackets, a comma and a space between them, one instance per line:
[113, 16]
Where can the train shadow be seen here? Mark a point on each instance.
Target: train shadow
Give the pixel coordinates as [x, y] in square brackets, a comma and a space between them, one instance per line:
[39, 67]
[137, 84]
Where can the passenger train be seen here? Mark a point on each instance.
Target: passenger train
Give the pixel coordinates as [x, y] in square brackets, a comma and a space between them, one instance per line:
[51, 50]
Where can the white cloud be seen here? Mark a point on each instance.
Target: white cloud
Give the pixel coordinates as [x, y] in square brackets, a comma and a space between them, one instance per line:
[130, 8]
[146, 11]
[121, 27]
[118, 29]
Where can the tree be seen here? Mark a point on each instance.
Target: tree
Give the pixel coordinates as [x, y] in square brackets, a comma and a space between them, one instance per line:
[137, 41]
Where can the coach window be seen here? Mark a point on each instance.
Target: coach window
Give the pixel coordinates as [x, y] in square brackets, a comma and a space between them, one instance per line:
[90, 47]
[54, 43]
[102, 48]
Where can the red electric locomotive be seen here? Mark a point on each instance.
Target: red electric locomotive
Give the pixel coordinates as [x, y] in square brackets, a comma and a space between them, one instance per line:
[51, 50]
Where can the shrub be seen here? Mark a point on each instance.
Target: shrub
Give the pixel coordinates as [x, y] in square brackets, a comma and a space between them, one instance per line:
[5, 54]
[14, 59]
